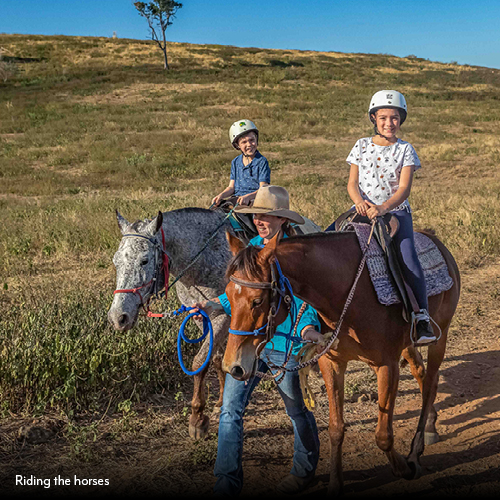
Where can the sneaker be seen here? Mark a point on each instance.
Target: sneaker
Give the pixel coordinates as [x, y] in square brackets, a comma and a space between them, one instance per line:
[292, 485]
[423, 331]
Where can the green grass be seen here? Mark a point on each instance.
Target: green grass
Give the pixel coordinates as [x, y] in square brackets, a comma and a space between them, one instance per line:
[89, 125]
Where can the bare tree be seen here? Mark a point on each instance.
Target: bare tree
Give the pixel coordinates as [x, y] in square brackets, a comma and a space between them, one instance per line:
[159, 15]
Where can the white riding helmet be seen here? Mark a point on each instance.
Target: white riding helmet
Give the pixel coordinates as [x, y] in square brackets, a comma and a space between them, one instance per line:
[391, 99]
[239, 128]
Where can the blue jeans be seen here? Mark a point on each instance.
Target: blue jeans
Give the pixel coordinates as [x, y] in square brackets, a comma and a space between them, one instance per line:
[410, 265]
[237, 394]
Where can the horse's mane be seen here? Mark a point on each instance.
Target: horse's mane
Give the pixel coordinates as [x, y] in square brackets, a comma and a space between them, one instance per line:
[246, 262]
[192, 210]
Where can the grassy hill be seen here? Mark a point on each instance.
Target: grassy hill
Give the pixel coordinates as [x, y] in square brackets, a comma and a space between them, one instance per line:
[88, 125]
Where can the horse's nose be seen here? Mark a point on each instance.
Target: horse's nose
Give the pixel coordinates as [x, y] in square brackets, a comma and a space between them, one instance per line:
[123, 320]
[119, 321]
[237, 372]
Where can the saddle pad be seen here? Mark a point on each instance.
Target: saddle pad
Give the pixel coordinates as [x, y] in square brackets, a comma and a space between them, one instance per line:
[436, 274]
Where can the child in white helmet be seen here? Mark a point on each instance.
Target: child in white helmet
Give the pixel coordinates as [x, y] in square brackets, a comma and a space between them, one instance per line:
[380, 181]
[250, 170]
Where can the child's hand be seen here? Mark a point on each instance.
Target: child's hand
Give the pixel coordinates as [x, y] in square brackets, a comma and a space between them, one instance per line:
[246, 199]
[216, 200]
[375, 210]
[362, 207]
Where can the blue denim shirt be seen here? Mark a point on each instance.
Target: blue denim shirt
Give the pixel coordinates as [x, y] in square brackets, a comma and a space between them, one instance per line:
[309, 317]
[247, 178]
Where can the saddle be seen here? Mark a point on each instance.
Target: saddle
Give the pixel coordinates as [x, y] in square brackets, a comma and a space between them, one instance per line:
[242, 224]
[386, 227]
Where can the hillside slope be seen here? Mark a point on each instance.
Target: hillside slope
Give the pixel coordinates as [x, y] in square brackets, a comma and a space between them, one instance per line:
[88, 125]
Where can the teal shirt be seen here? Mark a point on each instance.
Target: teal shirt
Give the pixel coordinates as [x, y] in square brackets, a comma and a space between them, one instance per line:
[309, 317]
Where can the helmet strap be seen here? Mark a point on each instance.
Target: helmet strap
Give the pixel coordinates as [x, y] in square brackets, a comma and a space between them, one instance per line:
[375, 129]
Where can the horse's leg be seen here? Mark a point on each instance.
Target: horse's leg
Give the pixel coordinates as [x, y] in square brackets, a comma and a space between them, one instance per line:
[417, 369]
[221, 376]
[198, 421]
[388, 379]
[333, 376]
[426, 428]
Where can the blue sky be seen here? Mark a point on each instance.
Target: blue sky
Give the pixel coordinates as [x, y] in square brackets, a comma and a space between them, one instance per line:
[466, 32]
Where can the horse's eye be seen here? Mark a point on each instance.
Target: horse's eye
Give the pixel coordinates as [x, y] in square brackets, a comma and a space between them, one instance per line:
[256, 302]
[144, 262]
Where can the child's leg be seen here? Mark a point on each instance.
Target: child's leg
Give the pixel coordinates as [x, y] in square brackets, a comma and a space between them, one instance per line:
[411, 268]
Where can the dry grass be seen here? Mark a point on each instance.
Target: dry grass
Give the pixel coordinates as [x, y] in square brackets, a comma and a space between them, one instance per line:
[93, 124]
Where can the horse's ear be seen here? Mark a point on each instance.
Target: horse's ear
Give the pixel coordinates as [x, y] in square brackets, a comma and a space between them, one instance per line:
[123, 223]
[235, 244]
[270, 249]
[155, 225]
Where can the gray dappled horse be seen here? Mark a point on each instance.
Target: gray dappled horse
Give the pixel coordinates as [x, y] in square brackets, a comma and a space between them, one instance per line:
[138, 261]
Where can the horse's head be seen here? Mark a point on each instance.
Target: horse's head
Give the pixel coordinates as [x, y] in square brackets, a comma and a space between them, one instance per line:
[252, 297]
[138, 262]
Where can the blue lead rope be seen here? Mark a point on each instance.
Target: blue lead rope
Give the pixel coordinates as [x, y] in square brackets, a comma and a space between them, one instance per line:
[207, 330]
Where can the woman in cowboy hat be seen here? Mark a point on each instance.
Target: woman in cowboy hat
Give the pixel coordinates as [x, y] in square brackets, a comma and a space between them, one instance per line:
[271, 214]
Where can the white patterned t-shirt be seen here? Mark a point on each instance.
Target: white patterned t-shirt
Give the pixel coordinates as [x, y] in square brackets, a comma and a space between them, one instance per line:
[380, 168]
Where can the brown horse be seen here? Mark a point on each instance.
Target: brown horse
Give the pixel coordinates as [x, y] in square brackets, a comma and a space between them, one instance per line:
[321, 269]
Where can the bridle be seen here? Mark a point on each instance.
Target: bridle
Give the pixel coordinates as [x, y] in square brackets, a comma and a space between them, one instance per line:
[281, 291]
[160, 265]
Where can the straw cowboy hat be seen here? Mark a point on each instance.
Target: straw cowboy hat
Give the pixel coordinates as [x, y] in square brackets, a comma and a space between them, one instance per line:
[272, 200]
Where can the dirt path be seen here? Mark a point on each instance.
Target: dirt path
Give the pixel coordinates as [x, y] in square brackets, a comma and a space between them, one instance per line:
[152, 453]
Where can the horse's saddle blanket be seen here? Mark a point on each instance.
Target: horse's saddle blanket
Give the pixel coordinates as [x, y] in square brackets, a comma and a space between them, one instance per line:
[437, 277]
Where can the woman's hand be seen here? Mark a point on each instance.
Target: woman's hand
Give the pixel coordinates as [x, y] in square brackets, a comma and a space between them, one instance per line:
[208, 306]
[375, 210]
[205, 306]
[310, 333]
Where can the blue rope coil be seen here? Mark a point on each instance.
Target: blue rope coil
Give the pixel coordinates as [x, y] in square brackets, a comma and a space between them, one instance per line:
[207, 330]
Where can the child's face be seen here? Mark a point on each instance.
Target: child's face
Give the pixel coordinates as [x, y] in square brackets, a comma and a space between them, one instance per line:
[248, 144]
[388, 122]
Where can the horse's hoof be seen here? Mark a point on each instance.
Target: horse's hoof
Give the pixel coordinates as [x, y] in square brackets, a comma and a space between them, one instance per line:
[416, 471]
[199, 430]
[431, 438]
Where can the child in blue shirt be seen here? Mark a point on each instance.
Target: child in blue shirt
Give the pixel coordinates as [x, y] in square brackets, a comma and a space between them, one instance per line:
[250, 170]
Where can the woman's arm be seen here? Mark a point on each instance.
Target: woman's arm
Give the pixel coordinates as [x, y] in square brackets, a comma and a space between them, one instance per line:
[209, 306]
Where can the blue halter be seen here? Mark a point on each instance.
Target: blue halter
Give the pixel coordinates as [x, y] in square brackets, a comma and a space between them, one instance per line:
[281, 291]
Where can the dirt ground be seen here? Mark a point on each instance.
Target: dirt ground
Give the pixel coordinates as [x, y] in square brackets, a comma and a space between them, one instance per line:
[156, 457]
